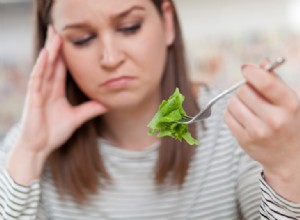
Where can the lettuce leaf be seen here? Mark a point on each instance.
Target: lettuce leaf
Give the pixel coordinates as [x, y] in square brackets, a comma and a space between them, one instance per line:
[165, 120]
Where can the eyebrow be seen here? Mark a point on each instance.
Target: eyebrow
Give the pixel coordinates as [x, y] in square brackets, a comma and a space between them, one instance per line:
[115, 17]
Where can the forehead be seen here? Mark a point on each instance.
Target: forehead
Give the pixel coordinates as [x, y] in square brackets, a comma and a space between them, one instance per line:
[78, 9]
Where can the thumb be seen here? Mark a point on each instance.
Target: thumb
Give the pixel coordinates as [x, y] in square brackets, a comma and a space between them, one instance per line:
[87, 111]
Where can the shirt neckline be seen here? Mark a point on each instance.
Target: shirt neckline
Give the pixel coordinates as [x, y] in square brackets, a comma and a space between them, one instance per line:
[109, 148]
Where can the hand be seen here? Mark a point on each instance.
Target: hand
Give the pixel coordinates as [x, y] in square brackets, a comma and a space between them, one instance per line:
[264, 116]
[49, 119]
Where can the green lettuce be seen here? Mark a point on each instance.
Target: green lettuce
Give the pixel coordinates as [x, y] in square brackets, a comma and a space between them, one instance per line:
[165, 120]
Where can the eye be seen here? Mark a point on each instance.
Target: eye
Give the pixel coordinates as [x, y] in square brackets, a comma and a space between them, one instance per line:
[130, 29]
[83, 41]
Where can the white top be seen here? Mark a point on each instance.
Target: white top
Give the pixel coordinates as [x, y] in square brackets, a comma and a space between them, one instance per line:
[222, 183]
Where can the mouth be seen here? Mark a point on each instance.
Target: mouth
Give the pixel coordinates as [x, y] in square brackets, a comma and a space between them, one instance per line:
[118, 83]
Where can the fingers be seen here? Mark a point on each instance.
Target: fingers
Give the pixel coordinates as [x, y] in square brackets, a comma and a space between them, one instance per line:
[87, 111]
[256, 103]
[254, 126]
[269, 86]
[53, 45]
[59, 79]
[40, 82]
[237, 129]
[50, 34]
[50, 44]
[274, 117]
[56, 68]
[36, 77]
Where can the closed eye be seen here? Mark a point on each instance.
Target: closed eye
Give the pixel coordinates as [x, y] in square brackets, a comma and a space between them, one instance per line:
[83, 41]
[132, 29]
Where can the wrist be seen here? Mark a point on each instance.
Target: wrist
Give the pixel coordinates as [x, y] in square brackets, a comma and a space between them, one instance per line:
[286, 185]
[24, 166]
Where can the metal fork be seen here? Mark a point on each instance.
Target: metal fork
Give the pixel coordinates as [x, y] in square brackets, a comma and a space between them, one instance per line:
[206, 112]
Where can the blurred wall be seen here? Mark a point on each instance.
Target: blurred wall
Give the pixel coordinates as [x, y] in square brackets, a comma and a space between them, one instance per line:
[15, 33]
[208, 18]
[15, 59]
[221, 35]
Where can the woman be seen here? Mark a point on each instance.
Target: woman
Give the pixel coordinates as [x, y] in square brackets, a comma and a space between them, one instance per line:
[82, 151]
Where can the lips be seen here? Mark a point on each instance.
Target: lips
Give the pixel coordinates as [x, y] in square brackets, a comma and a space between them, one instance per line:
[118, 82]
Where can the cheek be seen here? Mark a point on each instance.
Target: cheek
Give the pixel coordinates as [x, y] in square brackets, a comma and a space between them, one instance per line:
[151, 51]
[73, 61]
[78, 63]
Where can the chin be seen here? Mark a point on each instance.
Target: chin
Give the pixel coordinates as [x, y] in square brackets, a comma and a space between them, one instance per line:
[122, 101]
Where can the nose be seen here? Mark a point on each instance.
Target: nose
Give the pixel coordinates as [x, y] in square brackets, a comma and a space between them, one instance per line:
[111, 55]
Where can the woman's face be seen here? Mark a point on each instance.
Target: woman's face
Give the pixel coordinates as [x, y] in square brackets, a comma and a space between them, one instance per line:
[115, 50]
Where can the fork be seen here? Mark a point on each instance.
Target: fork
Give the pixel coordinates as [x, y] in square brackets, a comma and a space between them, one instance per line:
[206, 112]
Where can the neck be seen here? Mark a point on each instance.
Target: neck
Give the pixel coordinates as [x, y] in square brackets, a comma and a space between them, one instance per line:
[127, 128]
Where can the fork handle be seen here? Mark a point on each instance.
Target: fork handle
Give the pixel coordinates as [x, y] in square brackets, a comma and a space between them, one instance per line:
[270, 67]
[227, 91]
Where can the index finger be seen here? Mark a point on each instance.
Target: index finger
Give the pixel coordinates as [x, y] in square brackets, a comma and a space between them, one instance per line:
[269, 86]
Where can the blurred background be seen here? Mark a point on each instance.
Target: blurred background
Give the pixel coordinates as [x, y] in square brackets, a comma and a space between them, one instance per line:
[220, 36]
